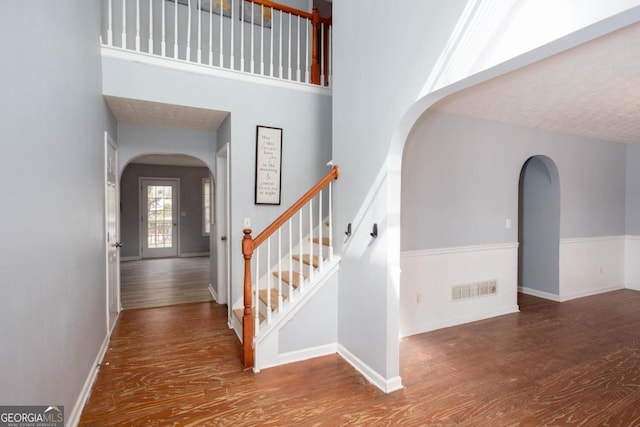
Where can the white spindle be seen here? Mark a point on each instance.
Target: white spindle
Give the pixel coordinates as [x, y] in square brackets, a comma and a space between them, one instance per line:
[330, 47]
[311, 239]
[298, 76]
[261, 40]
[123, 42]
[163, 43]
[256, 293]
[221, 59]
[320, 224]
[210, 33]
[300, 252]
[279, 46]
[110, 24]
[330, 257]
[199, 11]
[232, 60]
[280, 270]
[252, 36]
[289, 51]
[150, 26]
[290, 261]
[307, 62]
[271, 47]
[175, 30]
[188, 49]
[268, 280]
[242, 36]
[138, 25]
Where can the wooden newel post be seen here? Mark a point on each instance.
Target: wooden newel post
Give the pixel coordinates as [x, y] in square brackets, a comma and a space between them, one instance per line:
[247, 318]
[315, 57]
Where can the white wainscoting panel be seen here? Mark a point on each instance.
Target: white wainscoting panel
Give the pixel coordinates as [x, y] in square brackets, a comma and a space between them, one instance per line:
[427, 277]
[632, 262]
[591, 265]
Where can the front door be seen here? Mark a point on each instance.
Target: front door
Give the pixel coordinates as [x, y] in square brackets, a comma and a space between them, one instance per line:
[113, 242]
[159, 208]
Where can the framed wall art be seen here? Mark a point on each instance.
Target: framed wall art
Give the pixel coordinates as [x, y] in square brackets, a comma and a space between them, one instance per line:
[268, 165]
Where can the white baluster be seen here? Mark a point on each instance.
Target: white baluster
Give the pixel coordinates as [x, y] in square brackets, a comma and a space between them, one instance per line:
[151, 27]
[330, 53]
[163, 43]
[261, 40]
[210, 32]
[242, 36]
[188, 50]
[290, 261]
[110, 24]
[252, 35]
[280, 304]
[320, 224]
[138, 25]
[221, 59]
[300, 252]
[199, 10]
[123, 42]
[271, 47]
[232, 60]
[298, 76]
[311, 239]
[175, 30]
[330, 221]
[307, 62]
[289, 51]
[268, 280]
[280, 46]
[256, 294]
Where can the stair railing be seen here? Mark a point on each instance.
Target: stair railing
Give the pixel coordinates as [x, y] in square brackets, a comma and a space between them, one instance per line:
[253, 36]
[295, 268]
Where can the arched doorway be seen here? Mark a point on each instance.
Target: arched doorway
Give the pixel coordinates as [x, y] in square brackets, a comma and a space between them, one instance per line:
[165, 211]
[539, 228]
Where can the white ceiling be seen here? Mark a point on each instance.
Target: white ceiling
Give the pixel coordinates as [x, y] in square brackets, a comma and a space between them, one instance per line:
[591, 90]
[158, 114]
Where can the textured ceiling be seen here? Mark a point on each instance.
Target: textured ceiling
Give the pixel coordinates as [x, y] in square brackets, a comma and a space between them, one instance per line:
[157, 114]
[591, 90]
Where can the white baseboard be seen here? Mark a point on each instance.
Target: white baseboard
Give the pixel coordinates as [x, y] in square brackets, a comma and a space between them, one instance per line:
[76, 412]
[539, 294]
[193, 254]
[213, 293]
[307, 353]
[386, 385]
[590, 292]
[130, 258]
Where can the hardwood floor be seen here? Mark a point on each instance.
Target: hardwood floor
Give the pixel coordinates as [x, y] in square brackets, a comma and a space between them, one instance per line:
[552, 364]
[164, 281]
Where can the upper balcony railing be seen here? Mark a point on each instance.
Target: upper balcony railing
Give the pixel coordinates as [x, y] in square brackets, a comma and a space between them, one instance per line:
[253, 36]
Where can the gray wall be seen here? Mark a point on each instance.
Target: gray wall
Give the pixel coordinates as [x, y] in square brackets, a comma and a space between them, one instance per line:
[460, 182]
[633, 189]
[191, 237]
[52, 261]
[539, 226]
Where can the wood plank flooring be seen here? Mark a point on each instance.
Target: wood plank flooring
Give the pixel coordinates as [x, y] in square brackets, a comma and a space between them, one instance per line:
[552, 364]
[164, 281]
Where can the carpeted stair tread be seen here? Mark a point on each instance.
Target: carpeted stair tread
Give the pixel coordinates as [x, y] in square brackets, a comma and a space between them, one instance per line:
[285, 277]
[307, 259]
[274, 298]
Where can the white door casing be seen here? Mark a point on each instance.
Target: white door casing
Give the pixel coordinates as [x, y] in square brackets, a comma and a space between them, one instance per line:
[112, 227]
[222, 228]
[159, 231]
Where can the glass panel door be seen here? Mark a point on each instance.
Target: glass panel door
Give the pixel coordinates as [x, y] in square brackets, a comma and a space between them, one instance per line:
[159, 218]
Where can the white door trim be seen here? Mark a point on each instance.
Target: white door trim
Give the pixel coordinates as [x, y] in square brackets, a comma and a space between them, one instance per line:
[223, 229]
[142, 213]
[110, 143]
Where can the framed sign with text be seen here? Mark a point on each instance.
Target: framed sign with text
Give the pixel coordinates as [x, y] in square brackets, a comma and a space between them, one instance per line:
[268, 165]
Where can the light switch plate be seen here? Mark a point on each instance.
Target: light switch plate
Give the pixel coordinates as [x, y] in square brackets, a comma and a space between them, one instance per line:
[247, 222]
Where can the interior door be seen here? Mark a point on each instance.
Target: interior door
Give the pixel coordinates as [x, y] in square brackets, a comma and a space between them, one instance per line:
[159, 209]
[222, 228]
[112, 227]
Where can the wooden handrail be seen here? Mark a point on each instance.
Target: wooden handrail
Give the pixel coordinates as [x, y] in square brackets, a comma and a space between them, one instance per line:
[249, 245]
[286, 215]
[316, 20]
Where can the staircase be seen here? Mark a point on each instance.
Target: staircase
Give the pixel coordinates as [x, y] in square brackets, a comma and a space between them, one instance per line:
[285, 266]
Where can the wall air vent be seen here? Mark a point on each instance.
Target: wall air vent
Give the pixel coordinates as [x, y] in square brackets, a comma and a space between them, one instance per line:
[474, 290]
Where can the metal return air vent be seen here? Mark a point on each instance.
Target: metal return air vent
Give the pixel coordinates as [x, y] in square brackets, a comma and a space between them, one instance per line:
[474, 290]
